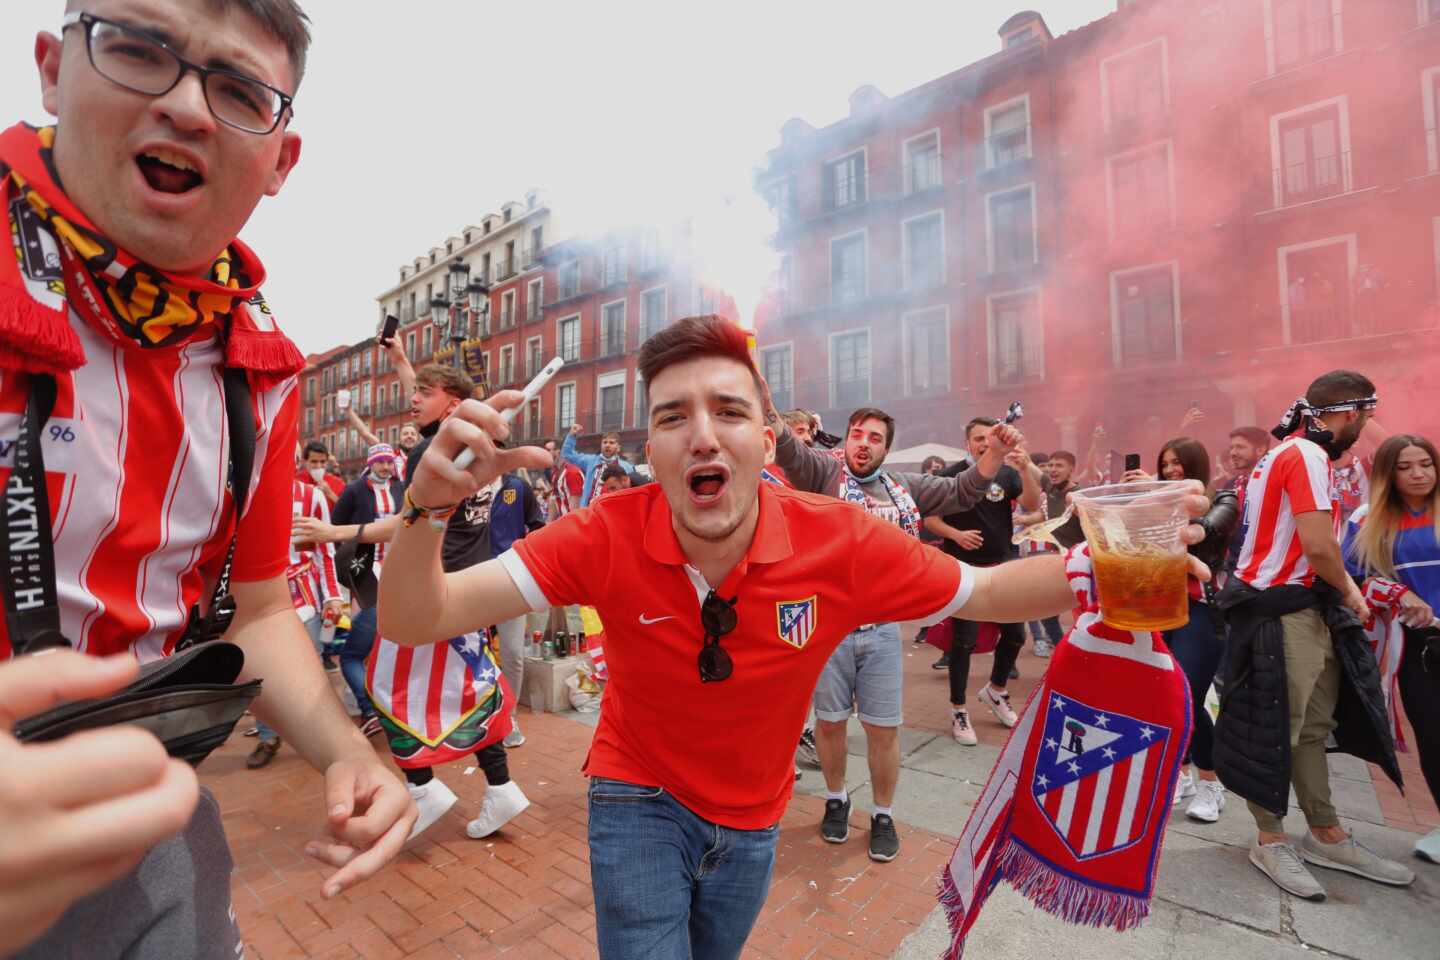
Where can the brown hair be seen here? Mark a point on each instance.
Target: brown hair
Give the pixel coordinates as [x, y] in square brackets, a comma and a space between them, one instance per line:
[696, 337]
[283, 20]
[875, 413]
[455, 382]
[1374, 545]
[1257, 438]
[1194, 459]
[793, 417]
[610, 435]
[1065, 455]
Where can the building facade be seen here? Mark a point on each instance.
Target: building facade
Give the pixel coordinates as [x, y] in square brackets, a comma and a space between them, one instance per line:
[1179, 204]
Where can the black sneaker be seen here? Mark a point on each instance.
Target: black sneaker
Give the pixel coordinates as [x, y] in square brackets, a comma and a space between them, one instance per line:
[943, 663]
[329, 663]
[884, 841]
[835, 828]
[806, 752]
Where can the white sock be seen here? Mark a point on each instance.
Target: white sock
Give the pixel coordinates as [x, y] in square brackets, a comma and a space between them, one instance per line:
[842, 796]
[883, 811]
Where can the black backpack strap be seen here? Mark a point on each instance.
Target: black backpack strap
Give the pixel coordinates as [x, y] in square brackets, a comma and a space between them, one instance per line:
[32, 609]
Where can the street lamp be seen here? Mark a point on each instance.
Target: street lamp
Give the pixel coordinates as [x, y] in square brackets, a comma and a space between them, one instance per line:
[449, 312]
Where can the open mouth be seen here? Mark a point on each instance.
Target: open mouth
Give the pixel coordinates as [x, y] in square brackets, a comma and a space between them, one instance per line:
[707, 482]
[168, 172]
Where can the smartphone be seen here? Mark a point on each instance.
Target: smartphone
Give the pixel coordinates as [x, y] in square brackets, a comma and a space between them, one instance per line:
[1132, 462]
[392, 327]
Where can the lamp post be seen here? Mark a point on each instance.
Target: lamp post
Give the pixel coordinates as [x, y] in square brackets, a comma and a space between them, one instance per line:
[449, 312]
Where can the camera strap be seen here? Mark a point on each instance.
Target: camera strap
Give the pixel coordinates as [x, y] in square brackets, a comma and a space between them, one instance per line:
[32, 610]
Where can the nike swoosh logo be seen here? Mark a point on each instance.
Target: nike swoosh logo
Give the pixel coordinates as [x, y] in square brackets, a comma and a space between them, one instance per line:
[647, 620]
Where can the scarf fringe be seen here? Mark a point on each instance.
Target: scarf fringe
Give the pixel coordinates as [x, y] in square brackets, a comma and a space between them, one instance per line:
[270, 357]
[34, 337]
[954, 914]
[1067, 898]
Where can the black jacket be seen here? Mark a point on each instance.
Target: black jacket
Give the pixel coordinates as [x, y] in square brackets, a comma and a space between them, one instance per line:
[1252, 736]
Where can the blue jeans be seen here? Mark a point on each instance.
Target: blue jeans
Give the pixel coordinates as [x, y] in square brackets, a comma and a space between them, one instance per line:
[312, 627]
[1048, 629]
[1198, 651]
[668, 884]
[352, 658]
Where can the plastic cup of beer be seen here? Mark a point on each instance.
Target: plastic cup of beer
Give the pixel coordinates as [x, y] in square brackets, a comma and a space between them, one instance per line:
[1140, 561]
[342, 399]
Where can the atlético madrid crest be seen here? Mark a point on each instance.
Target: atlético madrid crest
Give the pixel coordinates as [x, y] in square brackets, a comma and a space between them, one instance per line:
[796, 620]
[1096, 776]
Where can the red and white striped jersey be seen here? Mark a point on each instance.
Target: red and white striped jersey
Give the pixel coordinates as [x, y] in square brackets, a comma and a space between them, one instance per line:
[569, 484]
[311, 572]
[136, 459]
[1292, 479]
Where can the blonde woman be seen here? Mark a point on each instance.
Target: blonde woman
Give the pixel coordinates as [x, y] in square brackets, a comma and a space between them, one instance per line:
[1393, 542]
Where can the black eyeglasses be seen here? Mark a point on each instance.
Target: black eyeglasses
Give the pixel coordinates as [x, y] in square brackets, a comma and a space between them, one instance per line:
[143, 64]
[717, 618]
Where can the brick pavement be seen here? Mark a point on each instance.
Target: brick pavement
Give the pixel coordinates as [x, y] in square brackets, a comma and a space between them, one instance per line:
[525, 892]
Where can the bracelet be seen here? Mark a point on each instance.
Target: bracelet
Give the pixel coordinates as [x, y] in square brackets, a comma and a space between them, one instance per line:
[359, 533]
[437, 516]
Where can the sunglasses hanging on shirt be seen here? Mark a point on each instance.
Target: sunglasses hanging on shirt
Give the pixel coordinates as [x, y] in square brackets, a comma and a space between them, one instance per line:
[717, 618]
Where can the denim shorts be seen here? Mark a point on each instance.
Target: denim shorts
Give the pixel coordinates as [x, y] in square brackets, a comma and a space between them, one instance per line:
[863, 675]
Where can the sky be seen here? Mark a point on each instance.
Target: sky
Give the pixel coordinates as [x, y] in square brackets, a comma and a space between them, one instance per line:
[418, 118]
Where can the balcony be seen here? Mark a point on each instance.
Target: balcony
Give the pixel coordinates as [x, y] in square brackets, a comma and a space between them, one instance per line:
[847, 290]
[613, 272]
[566, 291]
[533, 310]
[529, 257]
[612, 344]
[1014, 366]
[507, 318]
[1314, 179]
[1006, 149]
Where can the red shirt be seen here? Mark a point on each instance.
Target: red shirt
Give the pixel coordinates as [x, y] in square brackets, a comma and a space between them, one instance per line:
[141, 518]
[336, 485]
[816, 569]
[1292, 479]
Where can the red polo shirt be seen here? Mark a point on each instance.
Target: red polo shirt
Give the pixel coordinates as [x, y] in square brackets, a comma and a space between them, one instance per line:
[817, 569]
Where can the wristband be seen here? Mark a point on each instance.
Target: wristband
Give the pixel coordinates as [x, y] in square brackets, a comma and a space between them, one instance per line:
[436, 516]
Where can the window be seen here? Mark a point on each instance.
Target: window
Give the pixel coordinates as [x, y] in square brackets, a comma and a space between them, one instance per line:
[485, 271]
[1144, 317]
[394, 436]
[309, 389]
[533, 300]
[427, 338]
[355, 448]
[507, 310]
[537, 242]
[310, 422]
[777, 367]
[642, 402]
[847, 269]
[1016, 353]
[650, 249]
[612, 329]
[533, 423]
[365, 363]
[1316, 286]
[410, 346]
[395, 395]
[328, 379]
[850, 369]
[1011, 219]
[925, 252]
[569, 339]
[507, 213]
[652, 313]
[845, 181]
[1429, 11]
[1314, 159]
[534, 357]
[613, 264]
[1135, 86]
[922, 163]
[570, 280]
[1140, 198]
[1007, 132]
[782, 201]
[927, 352]
[611, 400]
[365, 397]
[508, 265]
[784, 284]
[507, 366]
[564, 407]
[1302, 30]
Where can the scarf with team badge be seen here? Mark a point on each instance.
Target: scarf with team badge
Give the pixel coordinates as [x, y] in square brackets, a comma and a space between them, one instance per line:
[853, 491]
[1075, 808]
[63, 262]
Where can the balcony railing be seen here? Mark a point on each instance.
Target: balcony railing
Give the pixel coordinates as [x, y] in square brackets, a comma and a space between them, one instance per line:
[507, 318]
[1013, 366]
[613, 272]
[1314, 323]
[1313, 179]
[1311, 40]
[504, 269]
[847, 290]
[533, 310]
[1003, 149]
[529, 257]
[613, 343]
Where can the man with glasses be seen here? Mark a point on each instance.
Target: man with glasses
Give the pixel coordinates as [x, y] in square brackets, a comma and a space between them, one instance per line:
[722, 596]
[130, 297]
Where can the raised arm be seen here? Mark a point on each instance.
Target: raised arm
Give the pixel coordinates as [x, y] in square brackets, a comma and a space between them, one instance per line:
[402, 366]
[569, 452]
[419, 602]
[359, 424]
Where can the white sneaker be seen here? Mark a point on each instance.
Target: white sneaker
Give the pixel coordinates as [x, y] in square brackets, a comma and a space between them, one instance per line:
[1044, 648]
[1208, 802]
[433, 799]
[1184, 787]
[514, 738]
[1428, 847]
[999, 704]
[961, 730]
[501, 805]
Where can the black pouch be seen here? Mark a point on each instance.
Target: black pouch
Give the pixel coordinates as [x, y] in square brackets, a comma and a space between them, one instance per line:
[189, 700]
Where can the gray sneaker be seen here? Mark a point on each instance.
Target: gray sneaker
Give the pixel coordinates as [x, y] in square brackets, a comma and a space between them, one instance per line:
[1279, 862]
[1044, 648]
[1354, 857]
[514, 738]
